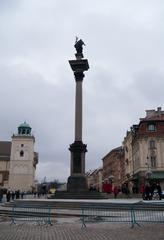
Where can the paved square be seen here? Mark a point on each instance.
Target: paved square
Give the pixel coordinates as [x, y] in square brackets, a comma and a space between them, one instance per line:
[73, 231]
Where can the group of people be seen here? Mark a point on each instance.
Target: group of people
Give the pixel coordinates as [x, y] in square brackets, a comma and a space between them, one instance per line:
[149, 190]
[109, 188]
[11, 194]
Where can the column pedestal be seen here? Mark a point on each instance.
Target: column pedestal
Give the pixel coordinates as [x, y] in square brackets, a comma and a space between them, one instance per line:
[77, 181]
[77, 184]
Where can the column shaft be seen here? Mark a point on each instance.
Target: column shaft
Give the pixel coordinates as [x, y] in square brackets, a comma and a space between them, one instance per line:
[78, 111]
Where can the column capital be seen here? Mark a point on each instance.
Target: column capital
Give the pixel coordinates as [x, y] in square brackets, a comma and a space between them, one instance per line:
[79, 76]
[78, 146]
[79, 65]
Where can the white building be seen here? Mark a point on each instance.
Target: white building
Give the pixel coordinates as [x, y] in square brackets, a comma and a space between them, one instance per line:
[21, 160]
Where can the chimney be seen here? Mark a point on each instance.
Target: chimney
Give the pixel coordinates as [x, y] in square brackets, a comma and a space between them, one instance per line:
[159, 111]
[150, 113]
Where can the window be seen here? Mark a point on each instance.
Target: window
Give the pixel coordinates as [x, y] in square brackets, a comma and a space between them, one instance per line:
[152, 144]
[22, 145]
[153, 162]
[21, 153]
[151, 127]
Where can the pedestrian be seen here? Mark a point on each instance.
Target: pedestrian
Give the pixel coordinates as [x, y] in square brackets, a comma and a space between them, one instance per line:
[115, 191]
[22, 194]
[127, 192]
[17, 193]
[147, 192]
[159, 190]
[153, 186]
[8, 195]
[35, 193]
[142, 191]
[13, 195]
[1, 194]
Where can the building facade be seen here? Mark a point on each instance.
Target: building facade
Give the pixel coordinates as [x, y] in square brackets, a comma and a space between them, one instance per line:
[144, 149]
[94, 179]
[18, 160]
[113, 166]
[5, 151]
[127, 145]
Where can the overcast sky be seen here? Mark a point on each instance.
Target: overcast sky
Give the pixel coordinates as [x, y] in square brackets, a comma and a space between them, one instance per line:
[125, 49]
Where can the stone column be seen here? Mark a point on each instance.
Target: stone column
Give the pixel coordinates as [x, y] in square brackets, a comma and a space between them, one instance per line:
[78, 106]
[77, 181]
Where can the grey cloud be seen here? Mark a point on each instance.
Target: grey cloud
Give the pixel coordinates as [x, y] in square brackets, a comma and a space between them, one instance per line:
[40, 104]
[124, 46]
[150, 83]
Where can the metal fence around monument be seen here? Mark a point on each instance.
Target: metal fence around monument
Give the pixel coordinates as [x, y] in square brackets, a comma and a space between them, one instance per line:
[135, 214]
[37, 215]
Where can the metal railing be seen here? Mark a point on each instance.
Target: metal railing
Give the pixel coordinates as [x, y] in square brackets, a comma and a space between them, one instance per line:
[135, 214]
[31, 214]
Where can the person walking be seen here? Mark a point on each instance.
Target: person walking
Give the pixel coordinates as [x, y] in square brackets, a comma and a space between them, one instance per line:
[115, 191]
[1, 194]
[142, 191]
[13, 195]
[22, 194]
[8, 195]
[159, 190]
[147, 192]
[17, 194]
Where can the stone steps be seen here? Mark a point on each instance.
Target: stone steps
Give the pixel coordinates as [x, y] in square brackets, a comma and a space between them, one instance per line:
[79, 195]
[50, 204]
[60, 204]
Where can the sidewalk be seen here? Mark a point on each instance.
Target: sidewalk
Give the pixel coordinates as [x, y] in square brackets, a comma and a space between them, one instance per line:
[65, 231]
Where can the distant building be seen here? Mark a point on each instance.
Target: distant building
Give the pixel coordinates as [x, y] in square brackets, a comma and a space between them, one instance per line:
[144, 149]
[128, 155]
[94, 179]
[113, 166]
[18, 160]
[5, 151]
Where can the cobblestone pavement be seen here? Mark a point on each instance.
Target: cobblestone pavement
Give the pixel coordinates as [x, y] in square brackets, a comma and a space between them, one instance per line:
[73, 231]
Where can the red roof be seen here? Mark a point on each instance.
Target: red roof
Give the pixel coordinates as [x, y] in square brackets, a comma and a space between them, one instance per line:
[153, 118]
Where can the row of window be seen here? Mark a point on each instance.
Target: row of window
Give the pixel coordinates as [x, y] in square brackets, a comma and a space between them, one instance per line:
[152, 145]
[152, 163]
[151, 127]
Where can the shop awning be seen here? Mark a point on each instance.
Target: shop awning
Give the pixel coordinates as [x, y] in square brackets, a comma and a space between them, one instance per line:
[157, 175]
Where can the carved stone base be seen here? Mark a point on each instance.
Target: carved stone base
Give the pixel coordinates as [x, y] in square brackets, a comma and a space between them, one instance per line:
[78, 150]
[77, 184]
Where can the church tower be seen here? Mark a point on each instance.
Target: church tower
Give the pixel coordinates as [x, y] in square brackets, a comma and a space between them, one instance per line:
[23, 159]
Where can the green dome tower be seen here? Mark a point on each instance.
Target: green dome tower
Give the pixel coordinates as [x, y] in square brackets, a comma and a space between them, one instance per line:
[24, 129]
